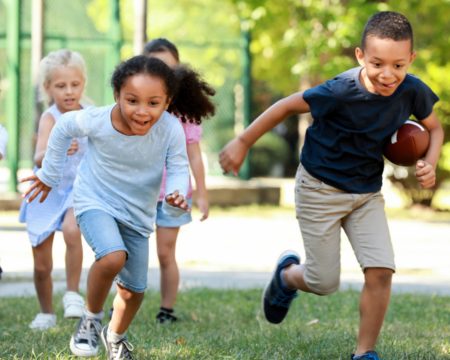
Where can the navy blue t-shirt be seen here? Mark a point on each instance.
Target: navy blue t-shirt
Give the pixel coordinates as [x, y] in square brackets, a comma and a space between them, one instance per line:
[344, 146]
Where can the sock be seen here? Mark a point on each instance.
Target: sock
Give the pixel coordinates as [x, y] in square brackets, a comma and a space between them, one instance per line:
[170, 311]
[98, 316]
[284, 286]
[371, 352]
[113, 337]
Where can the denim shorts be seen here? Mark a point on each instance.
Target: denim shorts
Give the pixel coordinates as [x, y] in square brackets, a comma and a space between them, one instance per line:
[164, 220]
[105, 235]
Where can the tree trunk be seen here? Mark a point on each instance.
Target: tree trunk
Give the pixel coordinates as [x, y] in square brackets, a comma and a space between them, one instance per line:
[140, 26]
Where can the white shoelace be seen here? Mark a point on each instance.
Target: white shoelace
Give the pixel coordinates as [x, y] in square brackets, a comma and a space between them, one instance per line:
[89, 330]
[122, 350]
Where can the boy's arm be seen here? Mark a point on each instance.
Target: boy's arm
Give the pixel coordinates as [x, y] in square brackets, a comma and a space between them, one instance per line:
[233, 154]
[177, 181]
[426, 168]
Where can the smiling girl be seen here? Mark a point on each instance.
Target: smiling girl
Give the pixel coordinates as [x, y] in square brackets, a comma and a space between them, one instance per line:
[118, 184]
[62, 80]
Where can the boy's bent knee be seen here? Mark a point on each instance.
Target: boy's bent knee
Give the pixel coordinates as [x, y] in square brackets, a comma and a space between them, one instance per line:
[323, 285]
[378, 275]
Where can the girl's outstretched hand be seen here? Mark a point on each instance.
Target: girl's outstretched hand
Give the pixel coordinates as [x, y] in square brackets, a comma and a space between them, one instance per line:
[39, 186]
[233, 155]
[177, 200]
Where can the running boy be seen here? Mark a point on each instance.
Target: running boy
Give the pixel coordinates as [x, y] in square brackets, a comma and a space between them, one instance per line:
[339, 178]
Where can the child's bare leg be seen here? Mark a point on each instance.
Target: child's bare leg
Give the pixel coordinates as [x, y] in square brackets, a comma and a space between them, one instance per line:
[43, 265]
[126, 305]
[74, 250]
[373, 306]
[101, 277]
[166, 239]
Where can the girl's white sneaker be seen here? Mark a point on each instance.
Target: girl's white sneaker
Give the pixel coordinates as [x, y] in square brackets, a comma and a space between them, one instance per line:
[43, 322]
[73, 305]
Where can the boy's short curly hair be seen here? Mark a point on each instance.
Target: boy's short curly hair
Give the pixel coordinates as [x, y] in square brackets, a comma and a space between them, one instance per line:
[388, 25]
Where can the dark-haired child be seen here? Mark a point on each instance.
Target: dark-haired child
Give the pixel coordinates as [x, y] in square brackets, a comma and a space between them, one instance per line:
[339, 178]
[118, 183]
[167, 228]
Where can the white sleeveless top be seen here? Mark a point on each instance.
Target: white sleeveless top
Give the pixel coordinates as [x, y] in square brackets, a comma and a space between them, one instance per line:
[45, 218]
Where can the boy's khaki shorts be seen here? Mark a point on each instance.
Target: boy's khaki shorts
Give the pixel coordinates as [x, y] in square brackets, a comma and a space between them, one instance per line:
[321, 211]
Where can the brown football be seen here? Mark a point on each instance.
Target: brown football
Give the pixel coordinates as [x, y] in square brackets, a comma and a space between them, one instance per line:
[408, 144]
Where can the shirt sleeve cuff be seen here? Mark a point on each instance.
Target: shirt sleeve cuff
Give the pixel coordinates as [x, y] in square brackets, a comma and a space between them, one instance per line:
[172, 210]
[41, 175]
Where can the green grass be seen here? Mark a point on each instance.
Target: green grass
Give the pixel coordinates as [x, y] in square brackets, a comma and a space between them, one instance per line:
[228, 324]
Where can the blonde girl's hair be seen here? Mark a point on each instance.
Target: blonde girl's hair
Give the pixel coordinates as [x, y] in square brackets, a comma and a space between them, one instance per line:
[52, 61]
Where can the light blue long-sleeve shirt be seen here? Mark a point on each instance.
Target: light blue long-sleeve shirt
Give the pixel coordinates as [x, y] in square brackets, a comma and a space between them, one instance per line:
[120, 174]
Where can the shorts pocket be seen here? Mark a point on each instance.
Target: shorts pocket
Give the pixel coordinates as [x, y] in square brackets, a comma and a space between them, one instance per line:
[306, 182]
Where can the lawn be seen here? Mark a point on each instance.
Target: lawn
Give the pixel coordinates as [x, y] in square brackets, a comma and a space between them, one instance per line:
[229, 324]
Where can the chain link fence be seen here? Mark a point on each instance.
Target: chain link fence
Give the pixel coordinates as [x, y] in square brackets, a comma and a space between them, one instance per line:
[82, 26]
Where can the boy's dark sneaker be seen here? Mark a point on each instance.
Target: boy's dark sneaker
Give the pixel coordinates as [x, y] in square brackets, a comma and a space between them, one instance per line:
[165, 317]
[85, 339]
[370, 355]
[121, 350]
[275, 302]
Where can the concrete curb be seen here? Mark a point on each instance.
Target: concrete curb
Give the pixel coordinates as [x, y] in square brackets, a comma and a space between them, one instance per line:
[232, 279]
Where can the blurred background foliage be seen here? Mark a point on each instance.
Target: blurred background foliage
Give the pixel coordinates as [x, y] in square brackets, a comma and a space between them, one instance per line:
[294, 44]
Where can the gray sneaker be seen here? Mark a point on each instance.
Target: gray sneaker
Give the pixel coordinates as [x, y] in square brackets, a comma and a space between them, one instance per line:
[84, 340]
[121, 350]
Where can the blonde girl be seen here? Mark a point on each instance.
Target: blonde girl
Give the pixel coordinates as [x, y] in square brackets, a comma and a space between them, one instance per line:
[61, 80]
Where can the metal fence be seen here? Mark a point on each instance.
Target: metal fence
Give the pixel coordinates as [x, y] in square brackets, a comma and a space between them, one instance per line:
[70, 25]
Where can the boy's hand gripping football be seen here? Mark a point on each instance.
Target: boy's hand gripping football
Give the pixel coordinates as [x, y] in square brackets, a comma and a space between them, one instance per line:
[233, 155]
[39, 186]
[177, 200]
[425, 174]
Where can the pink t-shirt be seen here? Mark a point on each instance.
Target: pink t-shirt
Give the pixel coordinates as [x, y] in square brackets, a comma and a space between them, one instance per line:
[193, 134]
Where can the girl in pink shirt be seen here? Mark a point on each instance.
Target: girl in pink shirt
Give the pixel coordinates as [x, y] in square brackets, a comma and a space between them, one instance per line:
[168, 227]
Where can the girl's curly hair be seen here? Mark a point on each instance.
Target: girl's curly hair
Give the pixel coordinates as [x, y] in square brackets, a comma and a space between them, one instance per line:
[161, 45]
[189, 93]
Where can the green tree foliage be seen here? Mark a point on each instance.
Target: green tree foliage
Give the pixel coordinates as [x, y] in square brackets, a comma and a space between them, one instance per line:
[206, 32]
[294, 40]
[315, 40]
